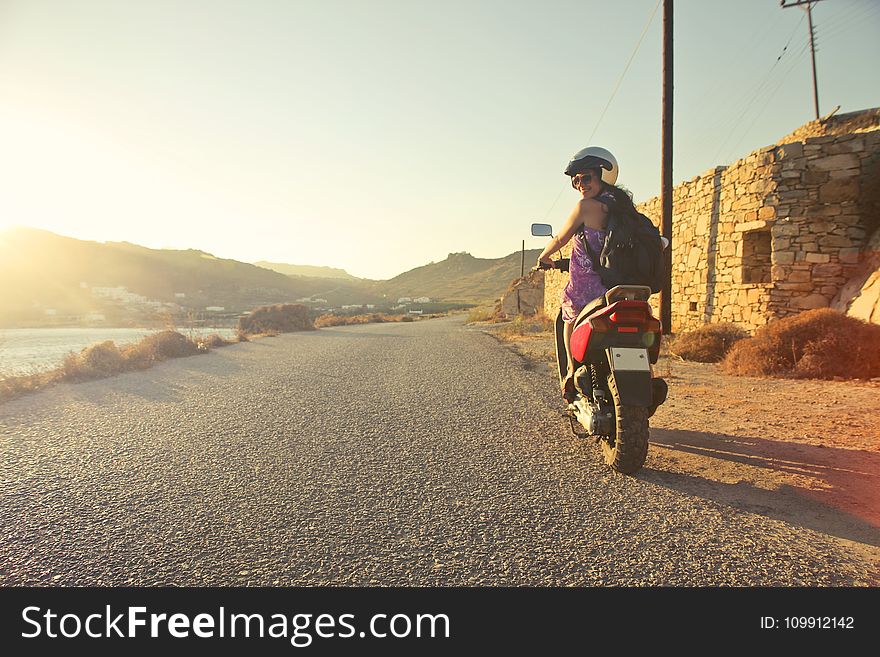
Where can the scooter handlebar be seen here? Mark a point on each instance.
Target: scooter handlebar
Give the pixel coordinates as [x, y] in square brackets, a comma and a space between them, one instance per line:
[561, 265]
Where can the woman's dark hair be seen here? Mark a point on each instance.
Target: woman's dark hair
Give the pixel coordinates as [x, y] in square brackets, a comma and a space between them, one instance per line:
[622, 198]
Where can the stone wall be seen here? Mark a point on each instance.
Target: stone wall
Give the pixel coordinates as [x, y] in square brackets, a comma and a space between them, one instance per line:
[524, 296]
[777, 232]
[860, 297]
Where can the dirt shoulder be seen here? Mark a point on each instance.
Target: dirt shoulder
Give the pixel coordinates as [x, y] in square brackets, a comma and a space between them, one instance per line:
[804, 452]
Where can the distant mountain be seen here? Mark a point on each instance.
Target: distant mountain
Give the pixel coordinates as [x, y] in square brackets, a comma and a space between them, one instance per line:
[40, 270]
[461, 277]
[42, 273]
[306, 270]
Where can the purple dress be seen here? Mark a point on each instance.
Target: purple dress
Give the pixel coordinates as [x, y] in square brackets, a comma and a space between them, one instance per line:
[584, 284]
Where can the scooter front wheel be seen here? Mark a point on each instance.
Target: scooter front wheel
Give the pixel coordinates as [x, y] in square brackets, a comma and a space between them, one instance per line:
[629, 449]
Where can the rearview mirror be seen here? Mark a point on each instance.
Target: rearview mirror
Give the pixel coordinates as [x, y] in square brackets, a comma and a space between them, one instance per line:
[542, 230]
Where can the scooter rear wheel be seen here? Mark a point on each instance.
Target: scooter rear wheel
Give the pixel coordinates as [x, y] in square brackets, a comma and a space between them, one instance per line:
[629, 450]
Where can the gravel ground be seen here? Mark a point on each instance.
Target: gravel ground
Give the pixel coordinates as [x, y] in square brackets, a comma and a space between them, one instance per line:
[384, 454]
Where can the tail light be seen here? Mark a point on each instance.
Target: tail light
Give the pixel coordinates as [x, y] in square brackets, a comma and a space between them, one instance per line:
[628, 316]
[621, 317]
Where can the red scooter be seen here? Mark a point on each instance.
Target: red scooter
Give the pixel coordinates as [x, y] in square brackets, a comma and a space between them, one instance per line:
[614, 343]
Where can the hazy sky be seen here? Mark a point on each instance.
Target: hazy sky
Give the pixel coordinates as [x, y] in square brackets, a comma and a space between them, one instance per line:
[379, 135]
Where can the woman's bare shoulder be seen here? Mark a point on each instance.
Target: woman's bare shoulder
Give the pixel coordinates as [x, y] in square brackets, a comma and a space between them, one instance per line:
[592, 212]
[592, 205]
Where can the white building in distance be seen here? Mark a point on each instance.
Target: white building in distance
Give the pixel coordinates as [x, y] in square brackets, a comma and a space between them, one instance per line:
[118, 294]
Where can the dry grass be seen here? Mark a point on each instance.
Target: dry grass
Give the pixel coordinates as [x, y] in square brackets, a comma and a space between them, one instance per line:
[105, 359]
[324, 321]
[215, 341]
[525, 326]
[480, 314]
[707, 344]
[280, 318]
[16, 386]
[486, 314]
[817, 344]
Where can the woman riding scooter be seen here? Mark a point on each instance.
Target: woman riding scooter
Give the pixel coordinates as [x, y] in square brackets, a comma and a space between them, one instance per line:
[593, 173]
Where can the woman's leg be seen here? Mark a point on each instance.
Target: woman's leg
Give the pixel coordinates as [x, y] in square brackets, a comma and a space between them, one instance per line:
[569, 327]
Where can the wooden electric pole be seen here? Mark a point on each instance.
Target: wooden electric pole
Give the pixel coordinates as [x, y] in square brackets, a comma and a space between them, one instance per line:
[809, 5]
[666, 168]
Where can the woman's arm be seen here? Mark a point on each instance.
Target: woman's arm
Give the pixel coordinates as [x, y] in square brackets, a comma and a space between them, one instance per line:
[588, 212]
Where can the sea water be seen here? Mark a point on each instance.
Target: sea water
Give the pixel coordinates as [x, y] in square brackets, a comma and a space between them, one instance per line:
[27, 351]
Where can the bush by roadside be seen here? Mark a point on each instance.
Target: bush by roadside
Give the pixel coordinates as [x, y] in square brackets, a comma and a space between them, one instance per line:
[15, 386]
[485, 314]
[327, 320]
[523, 325]
[280, 318]
[105, 359]
[816, 344]
[707, 344]
[215, 341]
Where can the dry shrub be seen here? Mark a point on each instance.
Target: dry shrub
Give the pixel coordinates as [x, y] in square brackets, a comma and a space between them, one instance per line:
[170, 344]
[707, 344]
[105, 359]
[94, 362]
[214, 341]
[281, 318]
[482, 314]
[330, 319]
[816, 344]
[324, 321]
[527, 325]
[15, 386]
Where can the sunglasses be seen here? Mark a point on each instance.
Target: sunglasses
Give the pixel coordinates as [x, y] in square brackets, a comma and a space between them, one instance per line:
[583, 178]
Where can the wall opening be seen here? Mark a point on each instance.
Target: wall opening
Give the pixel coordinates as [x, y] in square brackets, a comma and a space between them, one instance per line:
[756, 256]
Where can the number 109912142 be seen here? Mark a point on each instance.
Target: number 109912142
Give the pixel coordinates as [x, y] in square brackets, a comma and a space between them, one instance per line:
[808, 623]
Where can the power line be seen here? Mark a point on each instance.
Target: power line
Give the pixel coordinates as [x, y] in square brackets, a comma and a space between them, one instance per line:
[626, 68]
[555, 201]
[770, 96]
[843, 17]
[736, 56]
[833, 29]
[749, 103]
[611, 98]
[747, 99]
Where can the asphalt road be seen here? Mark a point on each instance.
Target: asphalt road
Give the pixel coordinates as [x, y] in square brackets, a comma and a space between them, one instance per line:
[384, 454]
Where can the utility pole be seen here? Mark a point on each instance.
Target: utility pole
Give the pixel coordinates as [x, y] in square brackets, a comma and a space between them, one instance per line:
[666, 168]
[522, 272]
[809, 5]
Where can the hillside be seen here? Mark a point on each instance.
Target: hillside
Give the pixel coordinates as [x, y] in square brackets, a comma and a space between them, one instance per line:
[46, 273]
[461, 277]
[42, 270]
[310, 271]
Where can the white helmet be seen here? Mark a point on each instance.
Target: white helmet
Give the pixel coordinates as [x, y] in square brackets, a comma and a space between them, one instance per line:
[594, 157]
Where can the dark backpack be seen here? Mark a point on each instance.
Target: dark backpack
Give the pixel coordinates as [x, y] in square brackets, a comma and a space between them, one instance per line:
[632, 253]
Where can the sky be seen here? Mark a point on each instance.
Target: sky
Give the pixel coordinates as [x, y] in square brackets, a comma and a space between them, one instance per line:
[380, 135]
